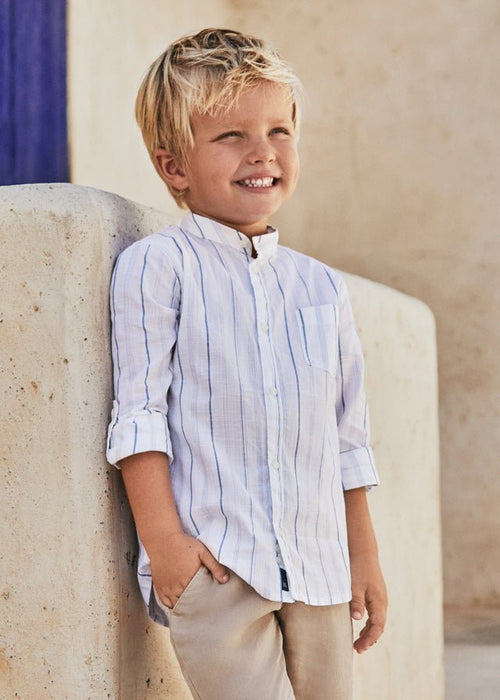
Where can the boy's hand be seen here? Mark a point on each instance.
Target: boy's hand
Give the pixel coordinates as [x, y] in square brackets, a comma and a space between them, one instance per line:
[367, 582]
[368, 592]
[175, 557]
[177, 561]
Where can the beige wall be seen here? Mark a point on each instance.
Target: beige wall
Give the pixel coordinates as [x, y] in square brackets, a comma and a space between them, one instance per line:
[400, 181]
[72, 622]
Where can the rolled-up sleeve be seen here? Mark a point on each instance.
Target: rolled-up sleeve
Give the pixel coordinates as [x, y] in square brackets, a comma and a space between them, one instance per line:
[356, 457]
[144, 301]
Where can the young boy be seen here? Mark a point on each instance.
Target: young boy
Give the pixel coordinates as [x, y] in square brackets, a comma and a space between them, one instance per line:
[239, 419]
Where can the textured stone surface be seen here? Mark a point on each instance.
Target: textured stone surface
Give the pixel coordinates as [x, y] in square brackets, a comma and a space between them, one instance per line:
[72, 622]
[397, 333]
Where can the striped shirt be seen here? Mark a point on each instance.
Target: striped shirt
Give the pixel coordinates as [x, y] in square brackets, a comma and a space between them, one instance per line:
[248, 373]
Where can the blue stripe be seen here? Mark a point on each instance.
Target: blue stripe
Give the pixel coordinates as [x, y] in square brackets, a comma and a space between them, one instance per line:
[146, 344]
[298, 427]
[210, 395]
[341, 379]
[174, 291]
[320, 474]
[329, 276]
[294, 261]
[242, 421]
[197, 226]
[344, 557]
[304, 337]
[191, 456]
[181, 392]
[176, 245]
[332, 496]
[135, 438]
[174, 242]
[341, 362]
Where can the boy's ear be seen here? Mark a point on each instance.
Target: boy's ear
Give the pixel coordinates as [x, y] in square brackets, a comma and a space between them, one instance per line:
[170, 170]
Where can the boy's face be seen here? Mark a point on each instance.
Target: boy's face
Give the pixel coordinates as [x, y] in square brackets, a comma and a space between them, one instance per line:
[244, 162]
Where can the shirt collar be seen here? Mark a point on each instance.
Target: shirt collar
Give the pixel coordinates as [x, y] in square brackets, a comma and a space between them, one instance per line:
[265, 244]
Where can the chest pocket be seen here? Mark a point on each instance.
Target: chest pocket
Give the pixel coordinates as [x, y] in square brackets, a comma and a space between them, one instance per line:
[318, 333]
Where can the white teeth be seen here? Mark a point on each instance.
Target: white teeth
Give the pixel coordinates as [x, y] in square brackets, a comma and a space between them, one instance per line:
[258, 182]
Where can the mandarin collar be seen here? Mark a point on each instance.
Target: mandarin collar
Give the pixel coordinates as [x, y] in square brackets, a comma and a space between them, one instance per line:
[265, 244]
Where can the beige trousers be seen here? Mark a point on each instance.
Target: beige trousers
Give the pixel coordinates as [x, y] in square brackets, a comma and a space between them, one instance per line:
[232, 644]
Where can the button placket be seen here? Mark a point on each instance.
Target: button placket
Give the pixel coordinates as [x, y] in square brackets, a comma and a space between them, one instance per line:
[271, 393]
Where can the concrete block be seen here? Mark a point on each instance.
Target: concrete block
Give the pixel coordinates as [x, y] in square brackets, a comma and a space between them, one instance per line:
[398, 337]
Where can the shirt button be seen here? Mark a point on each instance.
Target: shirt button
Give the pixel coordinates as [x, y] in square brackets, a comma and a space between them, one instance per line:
[264, 327]
[273, 391]
[275, 464]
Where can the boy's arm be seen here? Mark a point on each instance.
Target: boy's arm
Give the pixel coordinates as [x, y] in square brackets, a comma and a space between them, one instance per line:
[145, 303]
[367, 582]
[175, 557]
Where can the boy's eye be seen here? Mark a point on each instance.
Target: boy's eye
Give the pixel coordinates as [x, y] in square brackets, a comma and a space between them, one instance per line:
[228, 135]
[281, 130]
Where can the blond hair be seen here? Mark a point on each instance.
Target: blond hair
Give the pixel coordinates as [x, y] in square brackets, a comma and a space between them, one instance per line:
[203, 73]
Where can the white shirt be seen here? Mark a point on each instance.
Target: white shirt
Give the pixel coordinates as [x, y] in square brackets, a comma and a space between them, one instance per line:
[248, 373]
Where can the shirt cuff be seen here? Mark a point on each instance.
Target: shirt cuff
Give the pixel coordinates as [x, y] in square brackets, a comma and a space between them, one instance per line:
[145, 431]
[358, 468]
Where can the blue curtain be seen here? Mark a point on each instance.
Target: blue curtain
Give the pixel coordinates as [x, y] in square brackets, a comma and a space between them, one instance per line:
[33, 130]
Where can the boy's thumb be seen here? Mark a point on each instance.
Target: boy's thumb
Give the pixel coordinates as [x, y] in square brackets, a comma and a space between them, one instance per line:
[357, 608]
[218, 571]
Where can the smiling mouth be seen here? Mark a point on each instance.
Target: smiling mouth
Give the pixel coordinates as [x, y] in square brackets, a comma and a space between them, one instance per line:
[258, 182]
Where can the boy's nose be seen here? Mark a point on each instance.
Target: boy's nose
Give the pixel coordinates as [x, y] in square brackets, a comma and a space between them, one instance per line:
[262, 152]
